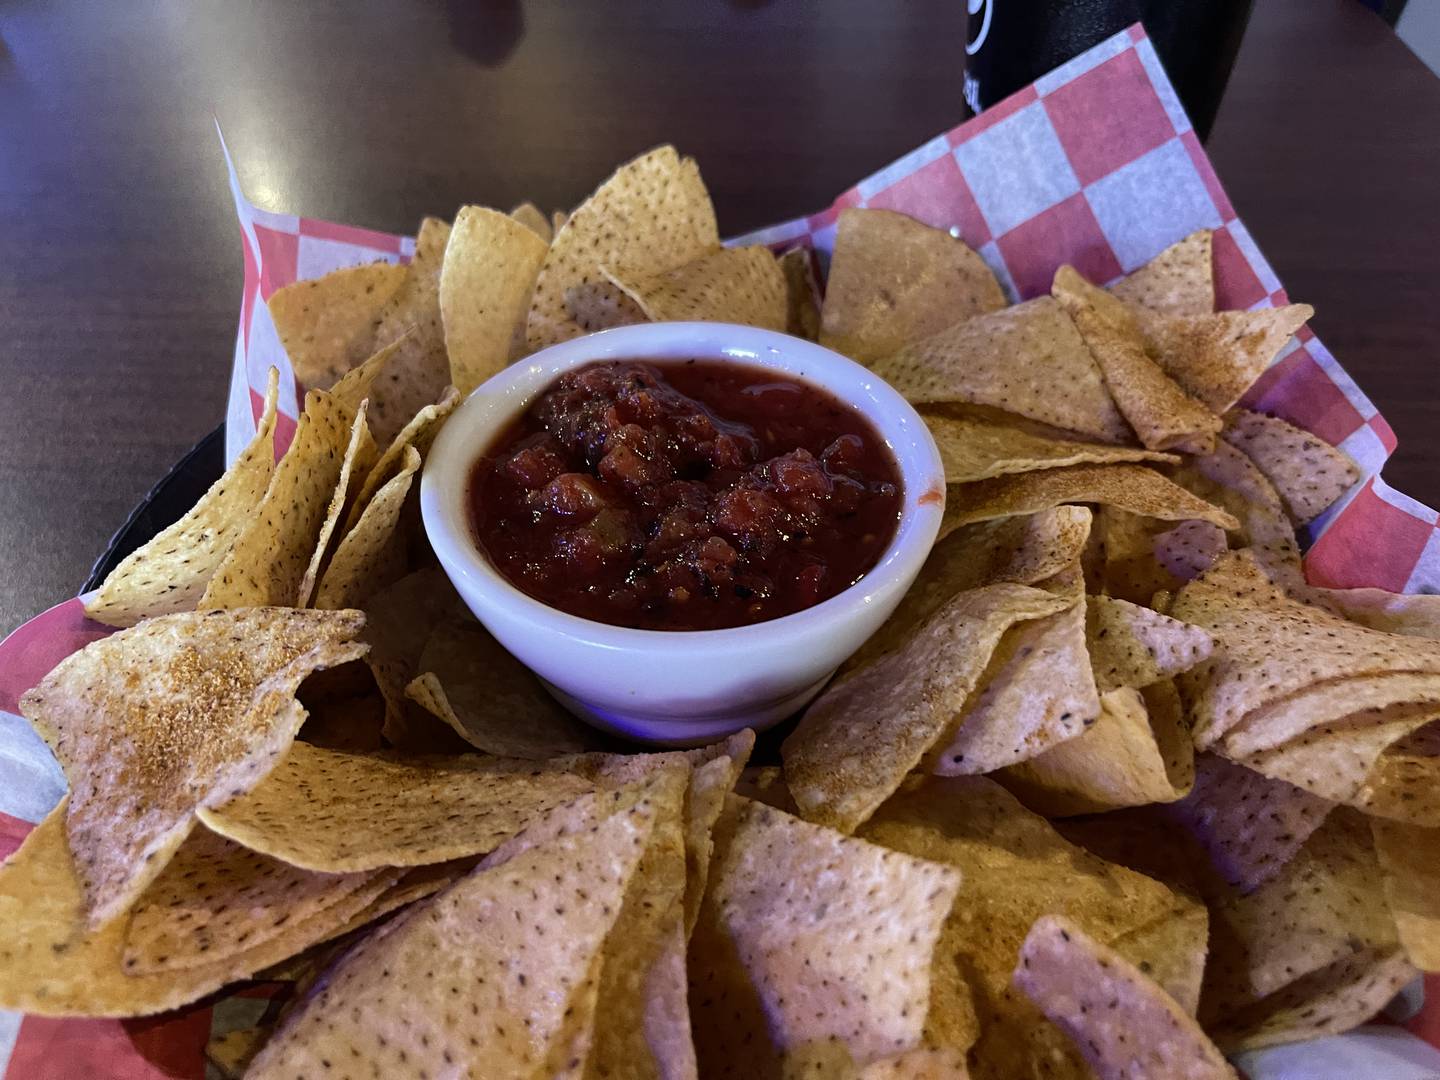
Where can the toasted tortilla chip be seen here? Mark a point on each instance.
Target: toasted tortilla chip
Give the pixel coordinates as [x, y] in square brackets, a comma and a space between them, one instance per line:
[1308, 473]
[652, 215]
[1417, 614]
[601, 305]
[802, 293]
[416, 304]
[361, 454]
[414, 374]
[355, 386]
[1129, 487]
[1324, 703]
[894, 281]
[216, 899]
[156, 721]
[520, 949]
[1126, 566]
[172, 571]
[371, 554]
[862, 735]
[268, 562]
[327, 324]
[1014, 868]
[976, 448]
[922, 1064]
[1161, 413]
[736, 285]
[766, 784]
[1172, 951]
[396, 811]
[1134, 646]
[418, 433]
[1405, 784]
[1121, 1022]
[1028, 359]
[716, 772]
[530, 215]
[1037, 691]
[1189, 549]
[52, 965]
[490, 699]
[1409, 857]
[488, 272]
[1216, 358]
[1178, 281]
[782, 892]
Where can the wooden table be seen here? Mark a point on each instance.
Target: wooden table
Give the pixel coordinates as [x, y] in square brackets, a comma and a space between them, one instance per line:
[120, 268]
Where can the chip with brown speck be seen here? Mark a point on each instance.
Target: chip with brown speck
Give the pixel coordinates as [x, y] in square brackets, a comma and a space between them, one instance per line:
[1178, 281]
[1307, 471]
[371, 554]
[1216, 358]
[735, 285]
[327, 324]
[1133, 646]
[361, 454]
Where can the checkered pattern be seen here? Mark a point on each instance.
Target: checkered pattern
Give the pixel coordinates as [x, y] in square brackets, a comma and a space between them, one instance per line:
[1095, 164]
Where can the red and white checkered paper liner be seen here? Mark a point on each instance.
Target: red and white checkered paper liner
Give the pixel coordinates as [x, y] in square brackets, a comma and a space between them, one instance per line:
[1094, 164]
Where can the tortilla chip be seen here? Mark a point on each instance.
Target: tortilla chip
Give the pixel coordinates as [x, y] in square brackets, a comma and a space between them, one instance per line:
[975, 448]
[355, 386]
[716, 772]
[1366, 700]
[327, 324]
[766, 784]
[519, 950]
[1028, 359]
[601, 305]
[414, 374]
[1014, 868]
[1129, 487]
[1216, 358]
[172, 571]
[156, 721]
[530, 215]
[921, 1064]
[1417, 614]
[371, 554]
[735, 285]
[418, 433]
[802, 293]
[490, 699]
[1036, 692]
[52, 965]
[1161, 413]
[1122, 1023]
[1405, 784]
[1172, 950]
[782, 892]
[1308, 473]
[1409, 857]
[652, 215]
[216, 899]
[489, 269]
[862, 735]
[360, 456]
[1178, 281]
[1189, 549]
[268, 562]
[894, 281]
[1134, 646]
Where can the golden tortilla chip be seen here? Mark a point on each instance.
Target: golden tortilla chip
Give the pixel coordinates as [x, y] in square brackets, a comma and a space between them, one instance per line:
[802, 294]
[268, 562]
[1216, 358]
[1409, 857]
[327, 324]
[1178, 281]
[652, 215]
[976, 448]
[716, 771]
[418, 433]
[1129, 487]
[894, 281]
[1417, 614]
[1134, 646]
[862, 735]
[172, 571]
[530, 215]
[360, 457]
[157, 721]
[491, 700]
[1308, 473]
[1405, 784]
[1036, 692]
[498, 974]
[489, 270]
[1189, 549]
[1028, 359]
[52, 965]
[922, 1064]
[355, 386]
[1363, 700]
[396, 811]
[601, 305]
[735, 285]
[371, 554]
[782, 893]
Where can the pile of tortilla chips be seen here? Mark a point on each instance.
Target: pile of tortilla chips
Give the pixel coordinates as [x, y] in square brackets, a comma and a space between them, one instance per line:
[1114, 792]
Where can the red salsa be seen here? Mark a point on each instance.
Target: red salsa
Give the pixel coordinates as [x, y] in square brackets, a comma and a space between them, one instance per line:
[688, 495]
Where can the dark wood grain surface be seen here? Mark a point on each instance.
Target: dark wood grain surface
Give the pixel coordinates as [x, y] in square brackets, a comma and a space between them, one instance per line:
[119, 261]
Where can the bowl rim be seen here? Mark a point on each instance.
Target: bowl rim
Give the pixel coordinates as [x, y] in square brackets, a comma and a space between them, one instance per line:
[498, 401]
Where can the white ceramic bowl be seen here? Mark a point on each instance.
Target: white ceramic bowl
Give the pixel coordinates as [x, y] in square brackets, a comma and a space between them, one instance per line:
[681, 687]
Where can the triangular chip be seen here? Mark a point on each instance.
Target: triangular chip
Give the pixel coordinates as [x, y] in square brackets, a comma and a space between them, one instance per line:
[1367, 699]
[418, 432]
[716, 771]
[1122, 1023]
[601, 305]
[652, 215]
[1216, 358]
[531, 216]
[1028, 359]
[327, 324]
[268, 562]
[1178, 281]
[487, 976]
[1308, 473]
[1134, 646]
[1161, 413]
[371, 553]
[861, 737]
[802, 293]
[1130, 487]
[1405, 783]
[360, 457]
[489, 269]
[764, 959]
[157, 721]
[172, 571]
[1410, 857]
[356, 384]
[1189, 549]
[894, 281]
[735, 285]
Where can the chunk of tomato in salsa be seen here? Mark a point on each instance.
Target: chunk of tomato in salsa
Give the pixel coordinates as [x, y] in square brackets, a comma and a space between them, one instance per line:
[689, 495]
